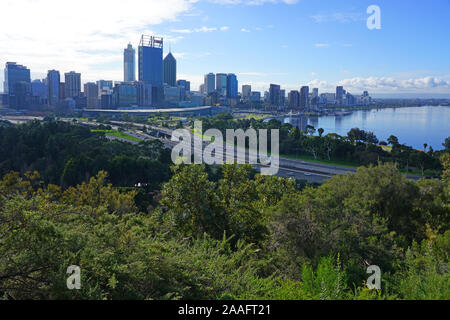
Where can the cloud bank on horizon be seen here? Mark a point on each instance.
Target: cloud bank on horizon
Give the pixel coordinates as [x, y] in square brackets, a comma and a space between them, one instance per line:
[208, 36]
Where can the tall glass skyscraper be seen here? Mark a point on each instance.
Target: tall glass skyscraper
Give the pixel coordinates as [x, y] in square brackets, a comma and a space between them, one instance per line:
[221, 84]
[15, 73]
[209, 83]
[150, 60]
[170, 70]
[129, 64]
[151, 66]
[304, 96]
[339, 94]
[53, 80]
[274, 94]
[232, 86]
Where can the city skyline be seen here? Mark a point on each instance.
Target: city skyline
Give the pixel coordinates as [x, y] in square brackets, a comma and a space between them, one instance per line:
[336, 48]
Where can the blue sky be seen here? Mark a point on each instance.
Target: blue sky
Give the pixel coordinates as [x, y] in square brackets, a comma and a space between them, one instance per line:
[292, 43]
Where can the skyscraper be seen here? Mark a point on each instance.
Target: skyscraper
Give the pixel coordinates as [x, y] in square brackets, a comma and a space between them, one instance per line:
[246, 91]
[209, 83]
[129, 63]
[339, 94]
[294, 99]
[151, 66]
[150, 60]
[15, 73]
[53, 80]
[232, 86]
[274, 94]
[91, 93]
[125, 94]
[315, 92]
[39, 92]
[282, 97]
[315, 97]
[72, 84]
[304, 96]
[104, 87]
[221, 84]
[170, 70]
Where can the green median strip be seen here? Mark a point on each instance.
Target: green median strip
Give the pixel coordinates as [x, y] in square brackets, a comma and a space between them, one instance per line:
[118, 134]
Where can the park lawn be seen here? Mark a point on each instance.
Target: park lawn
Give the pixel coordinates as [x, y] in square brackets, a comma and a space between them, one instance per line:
[115, 133]
[255, 116]
[386, 148]
[336, 163]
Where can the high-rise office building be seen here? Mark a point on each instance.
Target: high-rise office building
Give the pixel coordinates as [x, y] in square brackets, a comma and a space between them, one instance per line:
[72, 84]
[151, 66]
[339, 94]
[15, 73]
[91, 94]
[315, 97]
[209, 83]
[150, 60]
[274, 94]
[125, 94]
[255, 96]
[39, 92]
[294, 99]
[170, 70]
[53, 83]
[221, 84]
[232, 86]
[104, 87]
[282, 97]
[304, 96]
[129, 63]
[246, 91]
[21, 97]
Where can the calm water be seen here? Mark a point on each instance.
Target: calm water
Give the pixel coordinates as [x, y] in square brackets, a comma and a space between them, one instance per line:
[413, 126]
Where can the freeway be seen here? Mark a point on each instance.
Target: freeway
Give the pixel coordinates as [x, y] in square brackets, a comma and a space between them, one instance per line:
[298, 169]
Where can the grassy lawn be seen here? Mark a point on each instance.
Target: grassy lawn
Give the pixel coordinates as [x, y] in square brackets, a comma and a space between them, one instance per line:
[255, 116]
[115, 133]
[336, 163]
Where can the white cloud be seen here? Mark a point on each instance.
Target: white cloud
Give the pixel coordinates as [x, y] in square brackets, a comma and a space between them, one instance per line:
[388, 84]
[245, 30]
[86, 36]
[181, 31]
[253, 2]
[357, 85]
[342, 17]
[205, 29]
[202, 29]
[321, 45]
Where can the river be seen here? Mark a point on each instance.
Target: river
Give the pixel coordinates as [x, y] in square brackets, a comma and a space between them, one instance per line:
[413, 126]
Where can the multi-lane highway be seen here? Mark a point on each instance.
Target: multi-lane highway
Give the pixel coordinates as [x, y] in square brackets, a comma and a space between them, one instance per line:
[293, 168]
